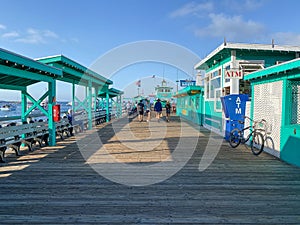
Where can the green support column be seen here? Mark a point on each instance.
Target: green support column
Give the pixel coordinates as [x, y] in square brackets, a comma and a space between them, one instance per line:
[95, 99]
[107, 107]
[73, 96]
[117, 107]
[120, 106]
[51, 103]
[102, 102]
[24, 104]
[89, 96]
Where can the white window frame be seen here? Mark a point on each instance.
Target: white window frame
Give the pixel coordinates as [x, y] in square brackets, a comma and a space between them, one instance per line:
[217, 99]
[209, 76]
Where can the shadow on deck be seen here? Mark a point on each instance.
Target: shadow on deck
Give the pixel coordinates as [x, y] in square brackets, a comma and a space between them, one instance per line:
[65, 184]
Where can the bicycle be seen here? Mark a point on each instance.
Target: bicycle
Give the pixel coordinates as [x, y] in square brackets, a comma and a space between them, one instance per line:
[255, 136]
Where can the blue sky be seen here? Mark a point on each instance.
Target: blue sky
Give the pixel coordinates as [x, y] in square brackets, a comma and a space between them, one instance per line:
[85, 30]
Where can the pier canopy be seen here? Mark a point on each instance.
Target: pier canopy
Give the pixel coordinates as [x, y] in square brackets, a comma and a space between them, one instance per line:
[74, 72]
[112, 92]
[189, 90]
[116, 104]
[77, 74]
[18, 72]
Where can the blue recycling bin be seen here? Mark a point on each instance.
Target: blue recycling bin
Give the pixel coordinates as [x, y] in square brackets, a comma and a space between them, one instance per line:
[234, 107]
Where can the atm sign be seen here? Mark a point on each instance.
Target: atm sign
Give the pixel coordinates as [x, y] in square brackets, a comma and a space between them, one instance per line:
[237, 74]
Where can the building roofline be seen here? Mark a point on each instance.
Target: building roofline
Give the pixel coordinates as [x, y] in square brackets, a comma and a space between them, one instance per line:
[245, 46]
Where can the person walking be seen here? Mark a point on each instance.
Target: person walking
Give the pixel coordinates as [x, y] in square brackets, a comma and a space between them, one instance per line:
[168, 111]
[158, 109]
[140, 108]
[147, 109]
[70, 119]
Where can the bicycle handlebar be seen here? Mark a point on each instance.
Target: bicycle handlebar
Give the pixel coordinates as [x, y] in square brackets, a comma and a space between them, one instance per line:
[254, 121]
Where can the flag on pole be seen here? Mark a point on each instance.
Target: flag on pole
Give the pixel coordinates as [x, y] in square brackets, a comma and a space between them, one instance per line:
[138, 83]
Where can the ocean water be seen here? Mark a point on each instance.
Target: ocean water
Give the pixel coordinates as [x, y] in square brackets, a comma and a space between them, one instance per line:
[36, 114]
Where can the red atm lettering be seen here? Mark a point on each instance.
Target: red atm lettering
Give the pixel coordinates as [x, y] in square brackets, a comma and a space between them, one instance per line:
[233, 74]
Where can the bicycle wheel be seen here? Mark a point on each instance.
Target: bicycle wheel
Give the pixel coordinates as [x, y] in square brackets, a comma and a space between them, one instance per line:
[257, 143]
[235, 137]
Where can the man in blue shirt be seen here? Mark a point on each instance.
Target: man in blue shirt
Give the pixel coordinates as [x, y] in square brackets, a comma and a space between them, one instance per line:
[158, 109]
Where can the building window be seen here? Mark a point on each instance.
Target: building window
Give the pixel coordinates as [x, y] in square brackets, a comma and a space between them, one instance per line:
[197, 102]
[207, 87]
[214, 84]
[217, 103]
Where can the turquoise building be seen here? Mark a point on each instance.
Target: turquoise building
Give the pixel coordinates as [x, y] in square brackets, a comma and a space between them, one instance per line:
[190, 104]
[276, 98]
[269, 74]
[225, 68]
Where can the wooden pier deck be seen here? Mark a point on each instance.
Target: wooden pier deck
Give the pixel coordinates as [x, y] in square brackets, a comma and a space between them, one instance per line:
[57, 185]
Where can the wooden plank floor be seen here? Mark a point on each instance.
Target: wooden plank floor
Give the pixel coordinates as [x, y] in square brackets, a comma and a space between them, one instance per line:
[56, 185]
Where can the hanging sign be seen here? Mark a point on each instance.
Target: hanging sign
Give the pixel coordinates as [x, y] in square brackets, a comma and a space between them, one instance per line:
[233, 74]
[185, 83]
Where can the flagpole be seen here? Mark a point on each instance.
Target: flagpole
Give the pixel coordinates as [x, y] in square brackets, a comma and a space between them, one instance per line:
[177, 82]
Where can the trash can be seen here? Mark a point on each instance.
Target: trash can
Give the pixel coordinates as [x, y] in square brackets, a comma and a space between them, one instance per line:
[234, 107]
[56, 113]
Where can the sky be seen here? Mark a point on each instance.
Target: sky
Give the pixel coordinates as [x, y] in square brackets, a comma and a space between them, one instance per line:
[89, 29]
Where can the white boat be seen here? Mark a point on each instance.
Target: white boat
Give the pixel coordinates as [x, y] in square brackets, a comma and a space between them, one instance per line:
[7, 107]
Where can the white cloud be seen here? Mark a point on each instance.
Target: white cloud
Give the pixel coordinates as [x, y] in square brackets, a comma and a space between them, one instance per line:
[49, 33]
[2, 27]
[192, 8]
[243, 5]
[74, 40]
[287, 38]
[233, 28]
[35, 36]
[12, 34]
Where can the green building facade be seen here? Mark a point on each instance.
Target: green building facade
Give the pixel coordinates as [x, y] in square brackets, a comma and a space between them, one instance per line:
[242, 59]
[190, 104]
[276, 98]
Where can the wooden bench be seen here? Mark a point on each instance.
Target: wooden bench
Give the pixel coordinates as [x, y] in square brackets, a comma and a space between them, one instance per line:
[81, 120]
[14, 136]
[28, 134]
[63, 128]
